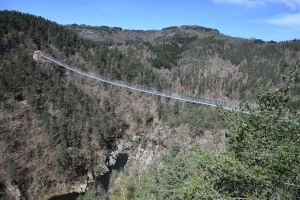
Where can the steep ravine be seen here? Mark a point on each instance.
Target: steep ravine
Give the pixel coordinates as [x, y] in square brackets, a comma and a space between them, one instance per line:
[142, 135]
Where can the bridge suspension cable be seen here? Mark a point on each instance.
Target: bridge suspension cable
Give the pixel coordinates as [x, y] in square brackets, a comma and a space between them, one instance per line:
[229, 105]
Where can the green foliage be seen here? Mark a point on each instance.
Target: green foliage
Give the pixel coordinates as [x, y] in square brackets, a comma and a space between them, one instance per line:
[122, 186]
[258, 41]
[7, 144]
[198, 175]
[37, 152]
[219, 36]
[264, 146]
[203, 175]
[148, 118]
[199, 118]
[267, 140]
[229, 176]
[132, 42]
[91, 194]
[165, 182]
[170, 28]
[242, 90]
[262, 162]
[198, 188]
[167, 53]
[200, 28]
[175, 149]
[10, 170]
[60, 159]
[259, 65]
[107, 43]
[162, 60]
[21, 78]
[106, 104]
[176, 108]
[113, 64]
[40, 30]
[159, 110]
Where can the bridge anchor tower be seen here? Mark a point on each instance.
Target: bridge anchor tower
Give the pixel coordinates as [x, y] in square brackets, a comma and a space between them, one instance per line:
[37, 55]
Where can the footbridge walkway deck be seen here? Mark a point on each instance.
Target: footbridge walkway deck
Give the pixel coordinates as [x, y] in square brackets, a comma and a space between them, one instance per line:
[208, 101]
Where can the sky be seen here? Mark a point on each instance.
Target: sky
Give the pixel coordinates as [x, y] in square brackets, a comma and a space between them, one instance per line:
[277, 20]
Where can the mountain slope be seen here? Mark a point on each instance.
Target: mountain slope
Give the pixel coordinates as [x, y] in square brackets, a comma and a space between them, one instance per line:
[54, 127]
[202, 61]
[58, 128]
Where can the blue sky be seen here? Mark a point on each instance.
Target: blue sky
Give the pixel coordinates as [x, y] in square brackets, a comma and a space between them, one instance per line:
[263, 19]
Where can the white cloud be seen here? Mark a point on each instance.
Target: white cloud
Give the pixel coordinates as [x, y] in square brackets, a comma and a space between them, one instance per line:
[287, 19]
[293, 4]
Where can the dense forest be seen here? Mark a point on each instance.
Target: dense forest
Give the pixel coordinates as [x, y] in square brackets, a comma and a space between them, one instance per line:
[66, 119]
[57, 127]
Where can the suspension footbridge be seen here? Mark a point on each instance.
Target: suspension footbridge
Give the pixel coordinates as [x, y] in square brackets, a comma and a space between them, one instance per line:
[208, 101]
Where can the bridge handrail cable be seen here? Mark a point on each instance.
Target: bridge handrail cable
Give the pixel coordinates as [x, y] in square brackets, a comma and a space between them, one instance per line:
[229, 105]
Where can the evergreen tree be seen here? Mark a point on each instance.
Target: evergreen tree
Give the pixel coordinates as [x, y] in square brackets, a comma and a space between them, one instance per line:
[267, 140]
[10, 170]
[60, 159]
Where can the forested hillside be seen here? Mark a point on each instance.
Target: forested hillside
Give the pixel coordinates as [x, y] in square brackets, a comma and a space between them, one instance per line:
[51, 129]
[203, 61]
[60, 131]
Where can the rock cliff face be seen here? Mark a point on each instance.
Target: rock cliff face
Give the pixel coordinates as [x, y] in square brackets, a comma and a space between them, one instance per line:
[14, 191]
